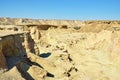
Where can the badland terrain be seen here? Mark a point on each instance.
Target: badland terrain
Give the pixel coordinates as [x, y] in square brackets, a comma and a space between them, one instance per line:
[32, 49]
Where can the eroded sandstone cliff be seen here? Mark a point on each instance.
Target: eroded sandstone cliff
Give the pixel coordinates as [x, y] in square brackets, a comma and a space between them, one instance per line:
[59, 49]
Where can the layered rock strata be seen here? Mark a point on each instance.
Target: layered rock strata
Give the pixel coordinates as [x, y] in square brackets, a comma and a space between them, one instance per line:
[59, 50]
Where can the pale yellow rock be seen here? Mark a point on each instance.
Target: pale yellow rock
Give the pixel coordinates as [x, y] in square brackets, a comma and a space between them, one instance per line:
[12, 74]
[37, 73]
[47, 65]
[70, 50]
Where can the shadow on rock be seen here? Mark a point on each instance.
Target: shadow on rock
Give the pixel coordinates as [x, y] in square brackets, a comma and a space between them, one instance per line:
[45, 55]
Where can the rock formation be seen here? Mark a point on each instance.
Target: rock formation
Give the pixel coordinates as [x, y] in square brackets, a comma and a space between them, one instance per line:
[59, 49]
[12, 74]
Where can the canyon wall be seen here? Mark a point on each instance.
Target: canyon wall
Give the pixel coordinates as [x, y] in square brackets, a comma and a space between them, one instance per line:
[59, 49]
[10, 45]
[97, 26]
[83, 26]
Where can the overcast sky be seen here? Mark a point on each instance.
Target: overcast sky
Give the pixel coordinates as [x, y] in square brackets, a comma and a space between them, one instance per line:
[61, 9]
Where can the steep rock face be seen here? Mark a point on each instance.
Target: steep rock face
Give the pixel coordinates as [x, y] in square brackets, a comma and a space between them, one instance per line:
[87, 53]
[35, 33]
[3, 63]
[10, 46]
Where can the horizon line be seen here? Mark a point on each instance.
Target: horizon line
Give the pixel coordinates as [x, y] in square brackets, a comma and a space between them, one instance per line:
[62, 19]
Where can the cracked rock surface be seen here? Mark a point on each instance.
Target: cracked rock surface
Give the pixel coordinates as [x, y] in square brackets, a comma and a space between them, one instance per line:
[32, 52]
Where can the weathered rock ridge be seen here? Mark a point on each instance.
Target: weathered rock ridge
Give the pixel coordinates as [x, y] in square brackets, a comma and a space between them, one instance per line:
[59, 49]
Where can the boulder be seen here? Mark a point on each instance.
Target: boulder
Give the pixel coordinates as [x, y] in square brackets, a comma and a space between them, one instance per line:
[37, 73]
